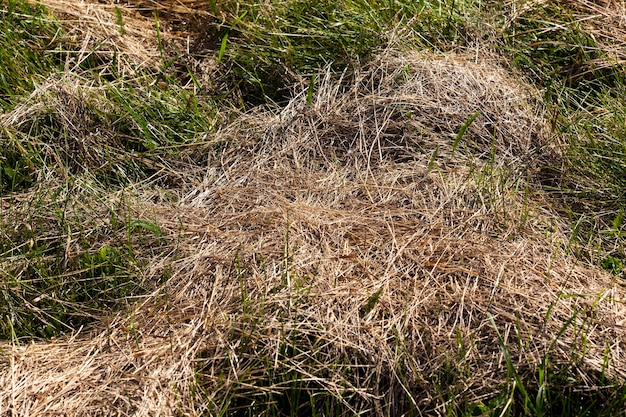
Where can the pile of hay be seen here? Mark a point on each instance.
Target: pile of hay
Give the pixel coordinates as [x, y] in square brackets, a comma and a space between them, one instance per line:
[105, 33]
[382, 242]
[351, 246]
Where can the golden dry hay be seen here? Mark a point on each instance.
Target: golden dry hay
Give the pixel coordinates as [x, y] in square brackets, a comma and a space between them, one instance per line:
[98, 34]
[305, 214]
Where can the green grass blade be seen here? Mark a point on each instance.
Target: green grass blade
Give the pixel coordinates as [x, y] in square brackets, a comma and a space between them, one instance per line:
[220, 55]
[309, 94]
[465, 126]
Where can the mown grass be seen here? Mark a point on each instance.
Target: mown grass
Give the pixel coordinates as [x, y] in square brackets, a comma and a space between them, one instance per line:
[73, 247]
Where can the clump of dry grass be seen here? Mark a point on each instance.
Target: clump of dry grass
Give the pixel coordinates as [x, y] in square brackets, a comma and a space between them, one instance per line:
[111, 37]
[425, 104]
[342, 247]
[350, 180]
[122, 39]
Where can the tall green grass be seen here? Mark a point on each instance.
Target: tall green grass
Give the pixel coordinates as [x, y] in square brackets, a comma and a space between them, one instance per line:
[28, 37]
[267, 46]
[584, 91]
[66, 258]
[73, 243]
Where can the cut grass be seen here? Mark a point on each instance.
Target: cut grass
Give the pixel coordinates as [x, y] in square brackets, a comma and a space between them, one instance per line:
[378, 244]
[448, 372]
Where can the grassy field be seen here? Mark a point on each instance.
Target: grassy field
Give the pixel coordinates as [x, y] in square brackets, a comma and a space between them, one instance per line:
[315, 208]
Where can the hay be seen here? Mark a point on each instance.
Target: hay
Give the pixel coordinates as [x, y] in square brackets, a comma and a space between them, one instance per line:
[346, 242]
[104, 41]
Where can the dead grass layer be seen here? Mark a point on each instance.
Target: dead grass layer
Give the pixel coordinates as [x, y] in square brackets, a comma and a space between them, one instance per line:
[124, 38]
[101, 36]
[354, 246]
[347, 246]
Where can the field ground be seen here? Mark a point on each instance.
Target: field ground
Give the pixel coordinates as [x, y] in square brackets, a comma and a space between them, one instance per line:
[312, 208]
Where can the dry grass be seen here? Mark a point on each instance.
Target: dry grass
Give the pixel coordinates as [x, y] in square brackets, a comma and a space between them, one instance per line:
[101, 37]
[355, 245]
[310, 212]
[602, 19]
